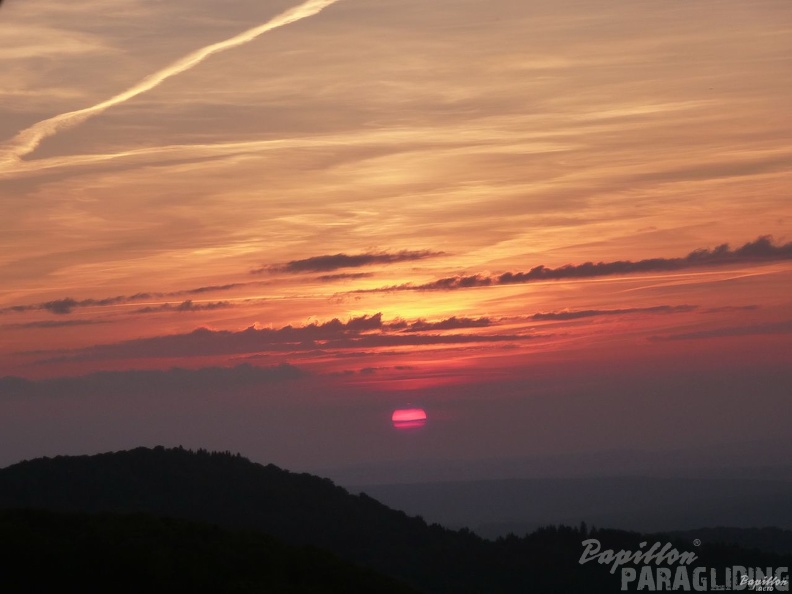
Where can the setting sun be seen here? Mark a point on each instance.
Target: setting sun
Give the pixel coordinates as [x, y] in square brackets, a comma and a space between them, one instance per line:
[408, 418]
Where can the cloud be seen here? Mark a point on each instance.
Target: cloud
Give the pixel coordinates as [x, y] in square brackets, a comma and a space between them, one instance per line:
[452, 323]
[185, 306]
[175, 380]
[731, 308]
[759, 251]
[328, 278]
[373, 370]
[590, 313]
[328, 263]
[784, 327]
[67, 305]
[391, 340]
[54, 324]
[367, 331]
[203, 341]
[208, 289]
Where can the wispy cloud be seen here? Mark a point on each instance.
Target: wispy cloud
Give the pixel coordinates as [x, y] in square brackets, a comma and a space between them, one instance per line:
[53, 324]
[131, 381]
[784, 327]
[185, 306]
[29, 139]
[329, 278]
[590, 313]
[328, 263]
[728, 308]
[67, 305]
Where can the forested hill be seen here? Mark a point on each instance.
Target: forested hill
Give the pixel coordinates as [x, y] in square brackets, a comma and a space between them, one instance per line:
[301, 509]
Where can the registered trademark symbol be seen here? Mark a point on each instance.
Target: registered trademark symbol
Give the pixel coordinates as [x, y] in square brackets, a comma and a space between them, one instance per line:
[697, 543]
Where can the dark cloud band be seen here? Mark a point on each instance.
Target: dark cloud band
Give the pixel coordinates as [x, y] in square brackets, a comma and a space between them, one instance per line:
[759, 251]
[329, 263]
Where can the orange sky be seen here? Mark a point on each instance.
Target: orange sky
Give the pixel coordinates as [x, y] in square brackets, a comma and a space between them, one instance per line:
[385, 164]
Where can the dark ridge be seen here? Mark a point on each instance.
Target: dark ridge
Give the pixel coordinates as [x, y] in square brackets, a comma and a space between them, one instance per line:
[768, 539]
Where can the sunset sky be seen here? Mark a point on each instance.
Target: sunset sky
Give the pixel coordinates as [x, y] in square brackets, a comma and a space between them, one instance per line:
[555, 226]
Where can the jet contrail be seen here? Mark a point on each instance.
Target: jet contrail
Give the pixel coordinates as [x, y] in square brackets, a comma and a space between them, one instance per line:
[29, 139]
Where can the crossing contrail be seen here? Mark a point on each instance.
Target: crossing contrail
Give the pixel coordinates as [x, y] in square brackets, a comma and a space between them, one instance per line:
[29, 139]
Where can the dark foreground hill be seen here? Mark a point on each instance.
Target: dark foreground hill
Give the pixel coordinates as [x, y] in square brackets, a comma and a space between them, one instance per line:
[301, 509]
[42, 551]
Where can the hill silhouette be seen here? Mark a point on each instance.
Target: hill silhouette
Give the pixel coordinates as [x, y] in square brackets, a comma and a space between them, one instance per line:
[301, 509]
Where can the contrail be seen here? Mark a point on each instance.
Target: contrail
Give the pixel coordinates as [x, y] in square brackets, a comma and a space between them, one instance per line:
[29, 139]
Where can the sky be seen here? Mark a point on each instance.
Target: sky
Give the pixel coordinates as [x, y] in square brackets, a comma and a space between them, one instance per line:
[557, 227]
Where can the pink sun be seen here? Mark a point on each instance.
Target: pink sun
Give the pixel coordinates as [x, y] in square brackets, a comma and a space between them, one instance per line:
[408, 418]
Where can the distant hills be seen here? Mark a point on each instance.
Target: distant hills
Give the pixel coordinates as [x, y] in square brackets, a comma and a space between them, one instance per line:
[495, 508]
[767, 459]
[300, 510]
